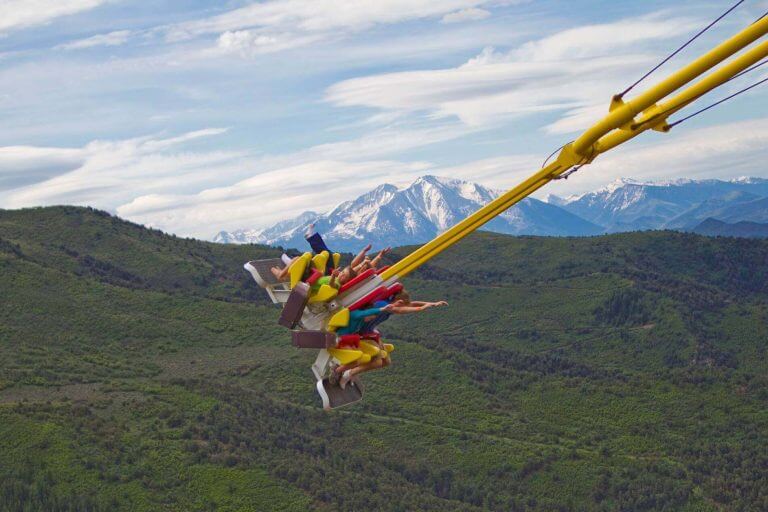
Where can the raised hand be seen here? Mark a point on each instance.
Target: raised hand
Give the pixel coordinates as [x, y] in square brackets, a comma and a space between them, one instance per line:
[379, 256]
[361, 256]
[335, 278]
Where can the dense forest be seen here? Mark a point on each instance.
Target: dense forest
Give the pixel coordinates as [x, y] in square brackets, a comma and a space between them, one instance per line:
[141, 371]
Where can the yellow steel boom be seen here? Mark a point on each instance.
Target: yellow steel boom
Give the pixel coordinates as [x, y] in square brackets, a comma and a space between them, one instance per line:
[649, 110]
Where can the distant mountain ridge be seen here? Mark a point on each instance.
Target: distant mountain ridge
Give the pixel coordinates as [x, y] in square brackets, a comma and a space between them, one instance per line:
[743, 229]
[389, 215]
[627, 205]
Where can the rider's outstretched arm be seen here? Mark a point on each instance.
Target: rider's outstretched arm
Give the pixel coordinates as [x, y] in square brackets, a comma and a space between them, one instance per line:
[357, 260]
[415, 307]
[375, 261]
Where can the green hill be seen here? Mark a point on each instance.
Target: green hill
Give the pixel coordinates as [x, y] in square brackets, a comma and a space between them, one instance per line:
[141, 371]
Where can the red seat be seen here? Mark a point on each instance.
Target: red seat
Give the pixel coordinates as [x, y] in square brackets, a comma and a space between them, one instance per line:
[314, 275]
[370, 298]
[348, 341]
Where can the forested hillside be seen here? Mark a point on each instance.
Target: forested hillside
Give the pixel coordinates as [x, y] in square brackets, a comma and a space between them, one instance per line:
[140, 371]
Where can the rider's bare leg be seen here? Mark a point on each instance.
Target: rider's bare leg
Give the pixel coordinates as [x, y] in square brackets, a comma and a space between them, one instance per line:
[377, 363]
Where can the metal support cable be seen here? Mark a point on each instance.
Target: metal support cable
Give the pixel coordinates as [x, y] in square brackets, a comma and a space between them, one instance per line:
[748, 70]
[554, 153]
[764, 80]
[683, 47]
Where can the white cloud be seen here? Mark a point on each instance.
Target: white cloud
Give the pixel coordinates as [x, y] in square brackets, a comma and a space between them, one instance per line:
[319, 15]
[149, 179]
[160, 181]
[108, 173]
[265, 198]
[116, 38]
[24, 165]
[248, 43]
[500, 173]
[577, 118]
[386, 142]
[153, 181]
[252, 29]
[725, 151]
[18, 14]
[471, 14]
[590, 41]
[570, 71]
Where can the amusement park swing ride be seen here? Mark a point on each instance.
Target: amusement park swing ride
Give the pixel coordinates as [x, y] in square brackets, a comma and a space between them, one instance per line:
[315, 312]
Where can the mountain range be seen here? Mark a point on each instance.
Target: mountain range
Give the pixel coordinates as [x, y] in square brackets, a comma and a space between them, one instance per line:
[389, 215]
[743, 229]
[627, 205]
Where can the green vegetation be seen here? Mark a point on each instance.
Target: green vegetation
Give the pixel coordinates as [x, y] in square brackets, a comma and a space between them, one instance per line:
[141, 371]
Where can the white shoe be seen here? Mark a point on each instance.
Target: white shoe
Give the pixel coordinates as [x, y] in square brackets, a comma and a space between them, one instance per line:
[345, 378]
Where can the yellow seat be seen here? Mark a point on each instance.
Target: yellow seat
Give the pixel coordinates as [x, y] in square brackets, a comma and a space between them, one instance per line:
[336, 260]
[388, 347]
[324, 294]
[339, 319]
[298, 268]
[348, 356]
[370, 349]
[320, 261]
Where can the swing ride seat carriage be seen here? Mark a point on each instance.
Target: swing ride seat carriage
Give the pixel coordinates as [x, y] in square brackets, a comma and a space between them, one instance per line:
[315, 312]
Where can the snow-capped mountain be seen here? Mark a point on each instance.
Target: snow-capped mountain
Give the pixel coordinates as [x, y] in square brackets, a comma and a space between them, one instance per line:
[627, 205]
[388, 215]
[286, 228]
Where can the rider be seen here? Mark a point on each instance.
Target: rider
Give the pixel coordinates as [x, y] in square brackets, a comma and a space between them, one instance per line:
[366, 322]
[359, 264]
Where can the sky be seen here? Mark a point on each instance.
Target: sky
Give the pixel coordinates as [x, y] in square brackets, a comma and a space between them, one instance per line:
[196, 116]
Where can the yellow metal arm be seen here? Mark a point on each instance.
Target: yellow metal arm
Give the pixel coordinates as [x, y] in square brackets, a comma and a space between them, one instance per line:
[656, 116]
[624, 122]
[623, 113]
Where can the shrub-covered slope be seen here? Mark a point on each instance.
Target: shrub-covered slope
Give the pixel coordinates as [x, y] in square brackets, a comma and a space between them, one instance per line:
[140, 371]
